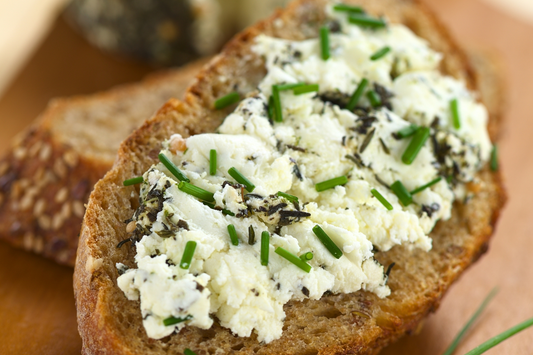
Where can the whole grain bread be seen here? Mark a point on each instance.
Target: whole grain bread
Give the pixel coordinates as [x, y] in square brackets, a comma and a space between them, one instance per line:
[48, 173]
[357, 323]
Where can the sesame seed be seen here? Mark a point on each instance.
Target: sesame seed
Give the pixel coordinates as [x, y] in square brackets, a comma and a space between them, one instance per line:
[44, 222]
[39, 174]
[63, 256]
[19, 153]
[131, 227]
[38, 246]
[46, 152]
[60, 168]
[35, 148]
[26, 202]
[57, 221]
[39, 207]
[16, 190]
[71, 158]
[66, 211]
[28, 241]
[79, 209]
[61, 195]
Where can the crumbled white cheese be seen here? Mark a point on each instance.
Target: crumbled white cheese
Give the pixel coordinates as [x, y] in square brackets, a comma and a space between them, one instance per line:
[318, 140]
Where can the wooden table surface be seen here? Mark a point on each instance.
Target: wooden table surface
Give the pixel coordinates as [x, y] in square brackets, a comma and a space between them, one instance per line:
[37, 313]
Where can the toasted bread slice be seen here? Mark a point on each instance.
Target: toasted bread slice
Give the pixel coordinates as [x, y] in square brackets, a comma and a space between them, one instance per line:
[48, 174]
[336, 324]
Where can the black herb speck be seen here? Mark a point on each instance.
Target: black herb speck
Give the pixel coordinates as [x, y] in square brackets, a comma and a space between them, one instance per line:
[367, 140]
[384, 146]
[305, 291]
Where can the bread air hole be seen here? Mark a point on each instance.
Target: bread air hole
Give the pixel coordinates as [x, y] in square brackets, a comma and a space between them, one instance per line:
[328, 312]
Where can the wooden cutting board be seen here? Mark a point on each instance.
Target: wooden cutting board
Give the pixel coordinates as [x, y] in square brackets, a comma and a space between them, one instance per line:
[37, 313]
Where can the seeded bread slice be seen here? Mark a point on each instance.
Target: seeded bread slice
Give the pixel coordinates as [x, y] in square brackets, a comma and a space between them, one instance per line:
[357, 323]
[48, 174]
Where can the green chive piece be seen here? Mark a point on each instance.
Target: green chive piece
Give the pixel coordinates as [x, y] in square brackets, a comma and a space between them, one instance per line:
[324, 42]
[227, 100]
[423, 187]
[241, 179]
[380, 53]
[212, 162]
[329, 184]
[494, 158]
[357, 94]
[287, 196]
[306, 256]
[471, 321]
[348, 8]
[278, 114]
[454, 108]
[403, 195]
[417, 142]
[196, 191]
[328, 243]
[233, 235]
[265, 247]
[407, 131]
[186, 259]
[251, 235]
[366, 21]
[381, 199]
[188, 352]
[133, 181]
[271, 108]
[374, 98]
[212, 206]
[305, 89]
[174, 320]
[500, 337]
[172, 168]
[283, 87]
[293, 259]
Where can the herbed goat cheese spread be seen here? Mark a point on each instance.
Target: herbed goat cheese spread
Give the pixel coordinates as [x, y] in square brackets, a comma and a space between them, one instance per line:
[287, 158]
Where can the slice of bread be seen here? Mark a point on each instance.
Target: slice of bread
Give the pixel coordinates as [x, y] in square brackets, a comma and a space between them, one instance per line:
[357, 323]
[48, 174]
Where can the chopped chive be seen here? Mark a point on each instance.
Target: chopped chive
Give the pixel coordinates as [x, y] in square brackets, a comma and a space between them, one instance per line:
[251, 235]
[305, 89]
[172, 168]
[196, 191]
[500, 337]
[357, 94]
[381, 199]
[241, 179]
[423, 187]
[472, 319]
[374, 98]
[366, 21]
[380, 53]
[329, 184]
[293, 259]
[233, 234]
[283, 87]
[454, 108]
[188, 352]
[328, 243]
[228, 213]
[212, 206]
[186, 259]
[324, 42]
[306, 256]
[212, 162]
[271, 108]
[278, 114]
[399, 190]
[348, 8]
[174, 320]
[133, 181]
[227, 100]
[407, 131]
[494, 158]
[417, 142]
[287, 196]
[265, 247]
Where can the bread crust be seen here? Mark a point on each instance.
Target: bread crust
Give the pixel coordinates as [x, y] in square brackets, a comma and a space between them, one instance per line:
[357, 323]
[48, 173]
